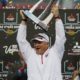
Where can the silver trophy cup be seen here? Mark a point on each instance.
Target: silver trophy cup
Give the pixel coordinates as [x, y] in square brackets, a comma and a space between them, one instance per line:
[43, 23]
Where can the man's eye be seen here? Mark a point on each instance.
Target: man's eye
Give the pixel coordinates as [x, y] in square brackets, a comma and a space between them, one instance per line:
[37, 42]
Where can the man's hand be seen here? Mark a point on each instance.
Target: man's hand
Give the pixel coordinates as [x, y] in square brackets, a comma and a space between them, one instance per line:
[22, 14]
[55, 10]
[24, 19]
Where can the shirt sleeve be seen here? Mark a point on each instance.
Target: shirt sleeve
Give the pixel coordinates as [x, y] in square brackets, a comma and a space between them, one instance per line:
[24, 45]
[58, 73]
[60, 37]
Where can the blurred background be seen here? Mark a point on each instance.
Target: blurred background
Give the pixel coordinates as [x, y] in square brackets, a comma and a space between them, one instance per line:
[69, 4]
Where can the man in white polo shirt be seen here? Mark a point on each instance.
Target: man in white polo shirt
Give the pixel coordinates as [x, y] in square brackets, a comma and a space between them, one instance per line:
[43, 62]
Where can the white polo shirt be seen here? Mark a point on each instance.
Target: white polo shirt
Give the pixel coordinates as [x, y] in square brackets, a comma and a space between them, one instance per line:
[48, 66]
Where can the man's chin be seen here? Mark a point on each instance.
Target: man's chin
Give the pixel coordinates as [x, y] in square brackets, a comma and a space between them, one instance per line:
[38, 52]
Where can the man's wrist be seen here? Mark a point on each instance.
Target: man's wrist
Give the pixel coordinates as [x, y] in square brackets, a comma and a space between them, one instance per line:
[24, 20]
[57, 17]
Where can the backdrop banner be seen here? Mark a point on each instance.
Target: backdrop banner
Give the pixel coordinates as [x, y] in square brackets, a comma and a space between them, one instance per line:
[9, 22]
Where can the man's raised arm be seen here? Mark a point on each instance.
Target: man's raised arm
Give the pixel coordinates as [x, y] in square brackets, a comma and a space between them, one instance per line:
[60, 32]
[24, 45]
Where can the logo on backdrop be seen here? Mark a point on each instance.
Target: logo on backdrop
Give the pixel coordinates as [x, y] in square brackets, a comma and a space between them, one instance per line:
[10, 49]
[10, 22]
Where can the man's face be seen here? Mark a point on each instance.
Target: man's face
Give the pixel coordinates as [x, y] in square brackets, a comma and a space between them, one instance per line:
[40, 47]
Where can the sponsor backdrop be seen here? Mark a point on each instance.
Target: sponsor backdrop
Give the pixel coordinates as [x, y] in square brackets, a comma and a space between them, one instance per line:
[9, 22]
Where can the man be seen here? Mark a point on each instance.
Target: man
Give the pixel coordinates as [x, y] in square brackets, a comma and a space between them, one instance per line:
[43, 62]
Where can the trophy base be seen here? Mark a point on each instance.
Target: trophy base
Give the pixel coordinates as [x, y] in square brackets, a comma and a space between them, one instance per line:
[36, 20]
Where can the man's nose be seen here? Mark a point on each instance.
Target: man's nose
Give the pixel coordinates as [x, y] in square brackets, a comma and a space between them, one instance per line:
[36, 44]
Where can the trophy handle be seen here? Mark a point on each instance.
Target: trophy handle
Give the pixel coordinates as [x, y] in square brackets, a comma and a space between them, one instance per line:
[48, 19]
[35, 6]
[46, 11]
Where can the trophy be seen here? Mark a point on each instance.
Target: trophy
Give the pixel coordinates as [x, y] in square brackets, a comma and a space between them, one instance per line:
[43, 23]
